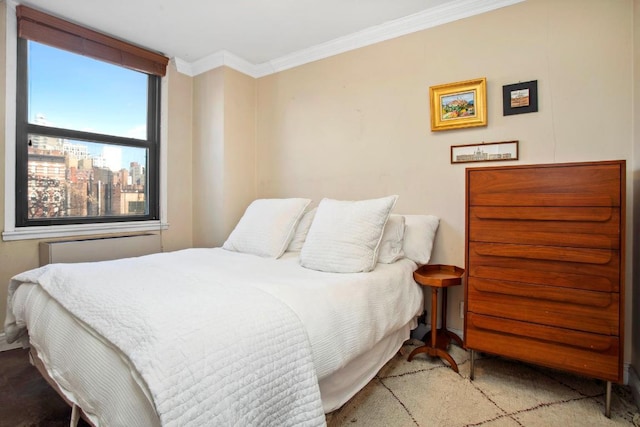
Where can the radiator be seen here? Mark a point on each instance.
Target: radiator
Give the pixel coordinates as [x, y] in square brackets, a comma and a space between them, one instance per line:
[99, 249]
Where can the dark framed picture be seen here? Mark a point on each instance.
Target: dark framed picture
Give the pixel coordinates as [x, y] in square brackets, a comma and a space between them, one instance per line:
[520, 98]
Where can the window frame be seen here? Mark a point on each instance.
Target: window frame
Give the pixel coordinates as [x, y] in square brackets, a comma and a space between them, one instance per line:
[12, 232]
[24, 128]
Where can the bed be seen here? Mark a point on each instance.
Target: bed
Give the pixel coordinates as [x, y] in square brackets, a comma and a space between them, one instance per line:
[251, 333]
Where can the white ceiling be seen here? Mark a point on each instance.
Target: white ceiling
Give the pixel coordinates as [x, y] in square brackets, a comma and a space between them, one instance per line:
[250, 34]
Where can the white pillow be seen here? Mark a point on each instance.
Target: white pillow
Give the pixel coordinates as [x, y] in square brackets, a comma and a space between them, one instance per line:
[419, 233]
[392, 239]
[267, 226]
[345, 235]
[301, 231]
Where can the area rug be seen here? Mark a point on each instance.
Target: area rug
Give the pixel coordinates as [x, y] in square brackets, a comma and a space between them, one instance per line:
[426, 392]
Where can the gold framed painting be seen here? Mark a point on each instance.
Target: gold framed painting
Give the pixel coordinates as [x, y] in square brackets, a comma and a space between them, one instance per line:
[459, 105]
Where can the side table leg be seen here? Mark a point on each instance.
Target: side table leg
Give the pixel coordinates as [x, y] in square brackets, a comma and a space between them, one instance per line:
[434, 316]
[443, 311]
[607, 402]
[472, 364]
[443, 328]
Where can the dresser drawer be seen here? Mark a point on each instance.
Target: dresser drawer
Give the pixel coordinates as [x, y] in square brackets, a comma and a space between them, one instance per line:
[570, 185]
[583, 353]
[581, 227]
[580, 310]
[580, 268]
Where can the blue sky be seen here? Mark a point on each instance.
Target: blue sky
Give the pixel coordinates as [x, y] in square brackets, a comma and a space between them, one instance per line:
[75, 92]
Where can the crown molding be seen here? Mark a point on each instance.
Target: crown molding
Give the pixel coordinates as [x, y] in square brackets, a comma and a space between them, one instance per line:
[443, 14]
[216, 60]
[219, 59]
[183, 66]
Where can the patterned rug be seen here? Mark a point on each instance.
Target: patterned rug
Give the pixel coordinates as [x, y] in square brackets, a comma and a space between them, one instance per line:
[426, 392]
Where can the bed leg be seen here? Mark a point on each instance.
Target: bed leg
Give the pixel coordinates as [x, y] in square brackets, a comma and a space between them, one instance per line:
[75, 416]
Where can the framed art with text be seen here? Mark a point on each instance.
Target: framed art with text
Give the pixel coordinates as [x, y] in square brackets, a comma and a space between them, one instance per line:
[484, 152]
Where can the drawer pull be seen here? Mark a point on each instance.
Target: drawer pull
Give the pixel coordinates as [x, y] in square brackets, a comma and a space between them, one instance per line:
[520, 235]
[542, 199]
[593, 342]
[591, 282]
[542, 292]
[586, 256]
[563, 214]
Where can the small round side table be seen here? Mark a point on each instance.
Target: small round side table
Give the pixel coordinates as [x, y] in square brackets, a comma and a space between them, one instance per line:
[438, 276]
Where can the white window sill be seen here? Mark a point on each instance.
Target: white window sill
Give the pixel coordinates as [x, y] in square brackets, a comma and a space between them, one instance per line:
[56, 231]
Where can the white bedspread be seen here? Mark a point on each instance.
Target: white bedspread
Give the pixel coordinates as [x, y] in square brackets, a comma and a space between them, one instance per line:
[186, 318]
[212, 350]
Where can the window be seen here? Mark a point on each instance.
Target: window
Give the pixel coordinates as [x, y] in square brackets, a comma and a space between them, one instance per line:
[87, 125]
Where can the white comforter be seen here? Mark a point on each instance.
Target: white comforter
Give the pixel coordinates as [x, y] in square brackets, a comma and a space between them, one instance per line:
[216, 335]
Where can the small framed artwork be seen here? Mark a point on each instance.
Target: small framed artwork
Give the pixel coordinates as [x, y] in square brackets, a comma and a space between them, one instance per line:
[520, 98]
[484, 152]
[459, 105]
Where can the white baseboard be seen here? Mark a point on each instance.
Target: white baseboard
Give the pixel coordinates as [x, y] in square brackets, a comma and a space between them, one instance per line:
[4, 345]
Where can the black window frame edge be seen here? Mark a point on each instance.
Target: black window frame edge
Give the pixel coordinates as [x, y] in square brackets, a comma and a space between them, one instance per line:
[24, 128]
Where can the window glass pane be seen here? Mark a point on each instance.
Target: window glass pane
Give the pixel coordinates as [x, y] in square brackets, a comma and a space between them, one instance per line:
[74, 92]
[70, 178]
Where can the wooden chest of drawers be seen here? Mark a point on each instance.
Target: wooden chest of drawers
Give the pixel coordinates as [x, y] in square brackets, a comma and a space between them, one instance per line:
[544, 265]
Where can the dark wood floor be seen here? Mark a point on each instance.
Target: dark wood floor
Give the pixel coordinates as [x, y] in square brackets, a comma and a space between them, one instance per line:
[25, 397]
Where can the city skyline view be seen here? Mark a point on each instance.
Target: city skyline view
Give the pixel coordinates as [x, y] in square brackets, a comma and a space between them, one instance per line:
[75, 176]
[65, 97]
[110, 156]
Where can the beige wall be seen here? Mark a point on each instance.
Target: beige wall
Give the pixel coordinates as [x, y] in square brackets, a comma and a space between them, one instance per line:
[224, 162]
[208, 156]
[239, 147]
[179, 148]
[356, 125]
